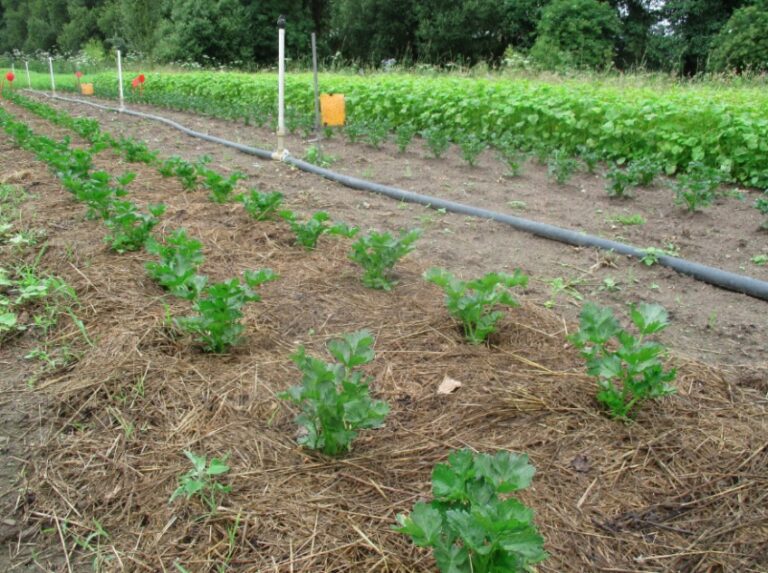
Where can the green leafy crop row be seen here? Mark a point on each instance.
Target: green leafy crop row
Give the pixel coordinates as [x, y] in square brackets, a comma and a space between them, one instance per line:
[723, 129]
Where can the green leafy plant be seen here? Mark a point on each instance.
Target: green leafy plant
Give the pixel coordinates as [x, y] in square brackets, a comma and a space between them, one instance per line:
[619, 182]
[471, 147]
[129, 227]
[378, 252]
[180, 259]
[261, 206]
[185, 171]
[136, 151]
[651, 255]
[315, 155]
[696, 188]
[308, 232]
[761, 204]
[561, 166]
[473, 302]
[220, 187]
[354, 132]
[643, 171]
[202, 480]
[437, 141]
[759, 260]
[628, 368]
[219, 310]
[473, 525]
[404, 135]
[334, 398]
[376, 132]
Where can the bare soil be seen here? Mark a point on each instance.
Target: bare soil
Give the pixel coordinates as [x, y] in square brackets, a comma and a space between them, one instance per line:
[682, 489]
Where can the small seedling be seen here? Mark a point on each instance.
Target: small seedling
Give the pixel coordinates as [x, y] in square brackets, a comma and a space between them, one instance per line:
[220, 187]
[761, 204]
[651, 256]
[315, 155]
[472, 524]
[759, 260]
[627, 220]
[628, 368]
[378, 252]
[473, 302]
[334, 398]
[201, 481]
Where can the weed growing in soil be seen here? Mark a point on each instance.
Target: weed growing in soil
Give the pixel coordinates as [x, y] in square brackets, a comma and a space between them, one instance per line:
[473, 302]
[628, 368]
[315, 155]
[180, 259]
[334, 398]
[309, 231]
[201, 481]
[378, 252]
[472, 524]
[219, 310]
[636, 219]
[261, 206]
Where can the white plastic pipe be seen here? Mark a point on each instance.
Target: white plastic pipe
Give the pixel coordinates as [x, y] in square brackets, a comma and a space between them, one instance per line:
[120, 80]
[53, 82]
[281, 86]
[317, 89]
[29, 80]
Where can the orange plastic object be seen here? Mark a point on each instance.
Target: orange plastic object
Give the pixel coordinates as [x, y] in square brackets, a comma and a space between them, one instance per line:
[86, 89]
[332, 109]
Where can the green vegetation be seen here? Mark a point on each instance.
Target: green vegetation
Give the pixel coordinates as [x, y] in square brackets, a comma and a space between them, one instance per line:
[628, 368]
[308, 232]
[761, 204]
[261, 206]
[334, 399]
[129, 227]
[378, 252]
[473, 302]
[219, 310]
[634, 219]
[202, 481]
[180, 259]
[472, 524]
[696, 189]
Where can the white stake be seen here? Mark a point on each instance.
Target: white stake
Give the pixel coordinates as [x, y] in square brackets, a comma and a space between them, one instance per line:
[29, 81]
[53, 82]
[317, 90]
[120, 80]
[281, 85]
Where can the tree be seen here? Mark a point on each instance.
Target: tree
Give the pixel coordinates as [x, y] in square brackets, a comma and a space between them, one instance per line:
[694, 24]
[579, 33]
[742, 44]
[373, 30]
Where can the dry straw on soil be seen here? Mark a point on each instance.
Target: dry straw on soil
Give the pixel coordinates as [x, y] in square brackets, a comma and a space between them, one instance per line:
[683, 489]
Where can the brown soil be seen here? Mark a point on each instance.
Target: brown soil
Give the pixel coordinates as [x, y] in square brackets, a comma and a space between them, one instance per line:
[682, 489]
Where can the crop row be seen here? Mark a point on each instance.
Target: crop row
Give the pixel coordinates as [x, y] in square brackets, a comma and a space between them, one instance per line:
[472, 524]
[725, 130]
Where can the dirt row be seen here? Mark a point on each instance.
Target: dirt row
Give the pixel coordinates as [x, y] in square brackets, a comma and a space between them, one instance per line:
[608, 496]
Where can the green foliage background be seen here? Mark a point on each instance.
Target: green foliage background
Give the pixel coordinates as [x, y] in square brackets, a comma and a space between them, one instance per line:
[677, 35]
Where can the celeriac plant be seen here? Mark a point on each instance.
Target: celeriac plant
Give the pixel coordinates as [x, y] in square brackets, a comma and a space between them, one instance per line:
[333, 397]
[378, 252]
[472, 524]
[309, 231]
[473, 302]
[180, 259]
[628, 368]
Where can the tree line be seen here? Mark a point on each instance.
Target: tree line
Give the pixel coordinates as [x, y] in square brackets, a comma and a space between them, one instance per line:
[687, 36]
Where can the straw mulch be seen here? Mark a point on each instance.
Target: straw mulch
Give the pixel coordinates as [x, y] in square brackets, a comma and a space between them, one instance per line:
[684, 488]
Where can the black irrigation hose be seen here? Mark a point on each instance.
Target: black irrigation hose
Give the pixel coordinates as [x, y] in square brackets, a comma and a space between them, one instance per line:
[725, 279]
